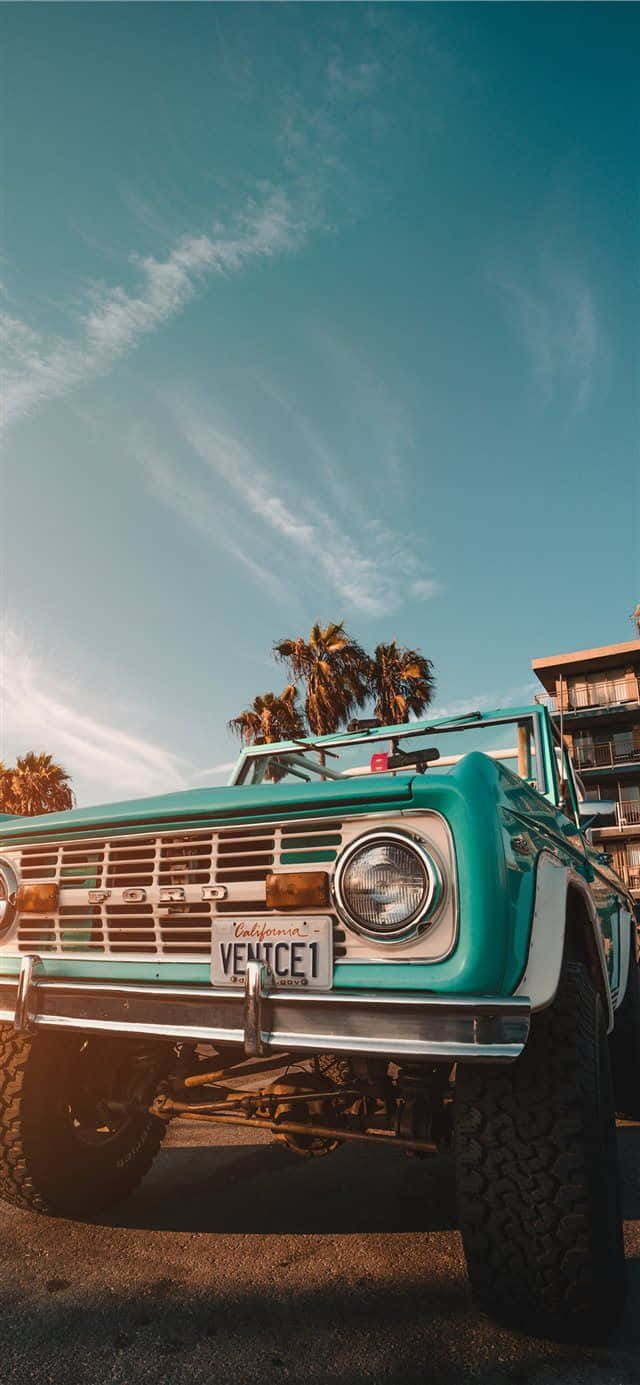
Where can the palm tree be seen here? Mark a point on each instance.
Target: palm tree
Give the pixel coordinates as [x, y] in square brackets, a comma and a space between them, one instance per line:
[35, 785]
[271, 717]
[402, 682]
[4, 788]
[335, 672]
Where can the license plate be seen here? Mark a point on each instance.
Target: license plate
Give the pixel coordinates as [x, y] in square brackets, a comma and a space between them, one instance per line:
[298, 951]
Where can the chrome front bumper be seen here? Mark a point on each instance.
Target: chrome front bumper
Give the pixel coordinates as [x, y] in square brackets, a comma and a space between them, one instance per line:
[387, 1024]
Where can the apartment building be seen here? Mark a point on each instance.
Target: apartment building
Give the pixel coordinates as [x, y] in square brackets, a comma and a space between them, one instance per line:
[598, 691]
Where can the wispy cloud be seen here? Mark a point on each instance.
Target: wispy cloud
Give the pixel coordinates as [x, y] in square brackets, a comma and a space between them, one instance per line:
[324, 189]
[352, 81]
[373, 407]
[552, 312]
[40, 710]
[115, 319]
[366, 569]
[214, 771]
[344, 107]
[423, 588]
[385, 419]
[194, 502]
[225, 488]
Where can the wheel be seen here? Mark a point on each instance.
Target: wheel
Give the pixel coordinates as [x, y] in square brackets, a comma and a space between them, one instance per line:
[537, 1174]
[319, 1109]
[624, 1047]
[62, 1151]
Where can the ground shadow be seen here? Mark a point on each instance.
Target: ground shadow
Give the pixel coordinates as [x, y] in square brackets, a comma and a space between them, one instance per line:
[265, 1189]
[629, 1150]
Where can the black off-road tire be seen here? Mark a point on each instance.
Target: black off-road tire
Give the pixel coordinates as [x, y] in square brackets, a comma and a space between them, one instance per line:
[43, 1164]
[624, 1047]
[537, 1174]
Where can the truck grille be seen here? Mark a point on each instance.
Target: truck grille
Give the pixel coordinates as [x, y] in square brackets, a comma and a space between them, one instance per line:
[134, 874]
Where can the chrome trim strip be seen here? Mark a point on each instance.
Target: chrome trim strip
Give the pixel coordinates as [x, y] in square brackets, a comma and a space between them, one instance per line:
[390, 1025]
[173, 1032]
[284, 1041]
[479, 1004]
[450, 1051]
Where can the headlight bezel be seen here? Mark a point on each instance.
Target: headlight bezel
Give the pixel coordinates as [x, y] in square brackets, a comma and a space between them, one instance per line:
[8, 903]
[431, 906]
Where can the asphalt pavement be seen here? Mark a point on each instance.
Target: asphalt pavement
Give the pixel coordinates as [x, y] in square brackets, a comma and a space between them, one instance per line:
[236, 1261]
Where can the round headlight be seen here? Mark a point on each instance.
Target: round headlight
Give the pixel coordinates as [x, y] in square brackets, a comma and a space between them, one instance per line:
[8, 890]
[385, 884]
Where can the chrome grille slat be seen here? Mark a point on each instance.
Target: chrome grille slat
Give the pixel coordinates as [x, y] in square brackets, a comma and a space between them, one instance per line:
[238, 857]
[193, 859]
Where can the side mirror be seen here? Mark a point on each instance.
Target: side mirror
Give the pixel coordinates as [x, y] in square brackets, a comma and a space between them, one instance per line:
[594, 808]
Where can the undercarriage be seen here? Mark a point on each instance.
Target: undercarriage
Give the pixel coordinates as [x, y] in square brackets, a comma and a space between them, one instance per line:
[311, 1106]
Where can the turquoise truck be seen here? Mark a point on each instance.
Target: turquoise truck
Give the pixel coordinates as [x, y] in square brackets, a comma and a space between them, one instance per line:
[401, 935]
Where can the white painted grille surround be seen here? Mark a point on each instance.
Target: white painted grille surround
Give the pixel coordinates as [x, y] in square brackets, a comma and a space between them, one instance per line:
[238, 858]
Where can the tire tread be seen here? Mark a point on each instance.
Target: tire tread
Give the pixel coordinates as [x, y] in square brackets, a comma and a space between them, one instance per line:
[524, 1158]
[24, 1141]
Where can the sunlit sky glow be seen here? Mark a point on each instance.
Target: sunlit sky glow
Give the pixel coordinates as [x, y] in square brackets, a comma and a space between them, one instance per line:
[308, 312]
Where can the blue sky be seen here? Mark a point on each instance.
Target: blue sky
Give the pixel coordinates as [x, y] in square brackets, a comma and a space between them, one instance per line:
[309, 312]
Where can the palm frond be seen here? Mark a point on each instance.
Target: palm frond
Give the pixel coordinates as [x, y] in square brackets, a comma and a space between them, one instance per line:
[335, 672]
[272, 717]
[401, 681]
[34, 785]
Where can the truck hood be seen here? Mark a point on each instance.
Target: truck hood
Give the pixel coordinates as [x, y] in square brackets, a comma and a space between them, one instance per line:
[205, 806]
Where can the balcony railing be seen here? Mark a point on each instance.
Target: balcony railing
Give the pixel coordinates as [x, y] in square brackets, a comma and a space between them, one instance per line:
[615, 692]
[606, 754]
[628, 813]
[629, 870]
[604, 694]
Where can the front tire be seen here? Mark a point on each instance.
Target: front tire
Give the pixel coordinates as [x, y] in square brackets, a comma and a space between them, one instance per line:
[61, 1151]
[624, 1047]
[537, 1174]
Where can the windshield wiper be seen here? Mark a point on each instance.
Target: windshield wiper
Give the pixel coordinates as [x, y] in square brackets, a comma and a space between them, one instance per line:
[320, 749]
[455, 721]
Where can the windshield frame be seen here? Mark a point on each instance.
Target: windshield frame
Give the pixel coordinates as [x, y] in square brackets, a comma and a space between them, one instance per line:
[403, 732]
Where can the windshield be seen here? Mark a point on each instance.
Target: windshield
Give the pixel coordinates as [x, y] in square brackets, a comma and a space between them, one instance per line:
[409, 749]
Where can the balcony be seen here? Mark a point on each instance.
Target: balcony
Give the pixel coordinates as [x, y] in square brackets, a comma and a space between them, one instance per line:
[629, 870]
[611, 692]
[620, 693]
[606, 754]
[628, 813]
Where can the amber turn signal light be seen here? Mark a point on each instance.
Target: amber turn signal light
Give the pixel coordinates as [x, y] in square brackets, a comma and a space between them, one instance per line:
[37, 899]
[307, 889]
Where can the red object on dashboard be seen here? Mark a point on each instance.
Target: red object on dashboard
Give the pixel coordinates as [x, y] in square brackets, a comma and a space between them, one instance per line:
[379, 762]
